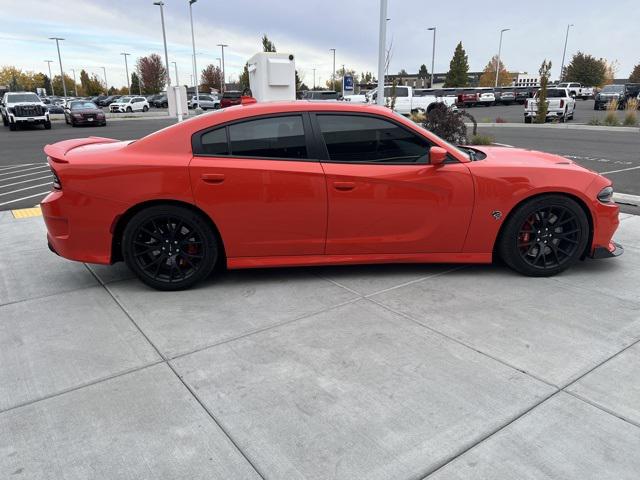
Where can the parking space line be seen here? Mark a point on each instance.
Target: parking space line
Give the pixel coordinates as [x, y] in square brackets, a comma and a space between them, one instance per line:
[621, 170]
[25, 170]
[42, 194]
[24, 175]
[25, 188]
[25, 181]
[9, 167]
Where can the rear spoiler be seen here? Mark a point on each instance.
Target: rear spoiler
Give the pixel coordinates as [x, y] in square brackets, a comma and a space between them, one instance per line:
[57, 151]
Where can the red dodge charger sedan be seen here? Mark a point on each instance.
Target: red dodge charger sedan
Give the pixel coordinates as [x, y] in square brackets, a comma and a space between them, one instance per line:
[302, 183]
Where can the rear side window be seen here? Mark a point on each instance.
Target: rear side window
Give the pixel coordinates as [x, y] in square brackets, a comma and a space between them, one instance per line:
[277, 137]
[363, 139]
[215, 142]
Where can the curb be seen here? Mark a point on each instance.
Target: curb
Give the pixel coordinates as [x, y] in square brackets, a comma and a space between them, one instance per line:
[560, 126]
[627, 199]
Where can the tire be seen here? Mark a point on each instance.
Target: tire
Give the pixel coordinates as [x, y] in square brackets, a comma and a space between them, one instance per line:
[129, 110]
[194, 106]
[13, 127]
[73, 123]
[5, 122]
[165, 105]
[47, 125]
[216, 106]
[563, 118]
[153, 265]
[145, 108]
[527, 119]
[563, 230]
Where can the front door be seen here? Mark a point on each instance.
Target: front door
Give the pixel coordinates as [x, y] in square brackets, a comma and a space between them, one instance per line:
[383, 195]
[256, 182]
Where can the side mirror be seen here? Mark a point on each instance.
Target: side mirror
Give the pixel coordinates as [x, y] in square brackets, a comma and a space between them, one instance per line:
[437, 156]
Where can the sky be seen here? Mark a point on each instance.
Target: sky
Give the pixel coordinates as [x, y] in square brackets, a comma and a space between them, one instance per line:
[97, 31]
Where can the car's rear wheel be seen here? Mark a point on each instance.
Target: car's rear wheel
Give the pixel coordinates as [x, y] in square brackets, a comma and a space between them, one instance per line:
[145, 108]
[169, 247]
[47, 125]
[527, 119]
[544, 236]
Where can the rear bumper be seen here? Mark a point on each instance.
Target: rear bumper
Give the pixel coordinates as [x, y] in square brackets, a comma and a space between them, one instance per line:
[613, 250]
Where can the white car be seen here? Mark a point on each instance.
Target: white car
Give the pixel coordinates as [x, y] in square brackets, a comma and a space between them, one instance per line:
[407, 102]
[486, 97]
[560, 104]
[129, 104]
[205, 101]
[576, 90]
[355, 98]
[23, 108]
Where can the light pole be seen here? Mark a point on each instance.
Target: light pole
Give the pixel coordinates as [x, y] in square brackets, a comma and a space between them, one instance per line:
[333, 77]
[314, 78]
[49, 62]
[382, 45]
[106, 84]
[164, 39]
[499, 52]
[126, 69]
[175, 66]
[433, 53]
[222, 45]
[75, 85]
[193, 45]
[220, 68]
[564, 52]
[64, 87]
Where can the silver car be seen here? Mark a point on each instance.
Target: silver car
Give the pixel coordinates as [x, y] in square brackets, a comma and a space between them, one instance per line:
[205, 101]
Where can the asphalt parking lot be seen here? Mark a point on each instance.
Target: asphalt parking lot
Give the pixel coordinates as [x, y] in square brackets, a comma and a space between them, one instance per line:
[403, 372]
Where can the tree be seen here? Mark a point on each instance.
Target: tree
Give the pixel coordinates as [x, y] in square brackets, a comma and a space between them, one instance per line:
[543, 106]
[458, 69]
[610, 71]
[635, 74]
[152, 73]
[337, 85]
[68, 82]
[90, 85]
[211, 78]
[243, 79]
[423, 72]
[586, 70]
[367, 77]
[135, 84]
[488, 77]
[268, 45]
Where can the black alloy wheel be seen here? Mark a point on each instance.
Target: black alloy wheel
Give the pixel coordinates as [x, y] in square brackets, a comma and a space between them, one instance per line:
[544, 236]
[169, 247]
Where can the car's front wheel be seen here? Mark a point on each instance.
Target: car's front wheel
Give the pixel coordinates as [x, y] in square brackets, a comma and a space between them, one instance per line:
[145, 108]
[169, 247]
[544, 236]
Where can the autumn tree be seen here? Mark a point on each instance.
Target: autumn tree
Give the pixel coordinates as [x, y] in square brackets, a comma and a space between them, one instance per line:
[635, 74]
[152, 73]
[488, 77]
[457, 76]
[586, 69]
[68, 83]
[543, 106]
[90, 85]
[211, 78]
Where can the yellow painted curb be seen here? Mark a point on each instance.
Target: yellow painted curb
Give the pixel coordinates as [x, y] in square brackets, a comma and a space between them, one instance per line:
[27, 212]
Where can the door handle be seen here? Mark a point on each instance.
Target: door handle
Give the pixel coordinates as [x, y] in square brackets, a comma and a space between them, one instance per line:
[213, 178]
[344, 186]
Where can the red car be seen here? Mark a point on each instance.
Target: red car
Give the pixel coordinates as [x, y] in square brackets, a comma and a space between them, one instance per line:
[303, 183]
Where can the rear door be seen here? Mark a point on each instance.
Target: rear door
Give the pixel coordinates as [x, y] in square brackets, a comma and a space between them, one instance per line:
[384, 197]
[258, 180]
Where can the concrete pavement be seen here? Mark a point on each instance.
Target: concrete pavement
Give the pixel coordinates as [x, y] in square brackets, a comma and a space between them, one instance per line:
[403, 372]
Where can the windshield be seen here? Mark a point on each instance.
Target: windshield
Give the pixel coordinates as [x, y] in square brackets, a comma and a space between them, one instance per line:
[613, 89]
[83, 106]
[123, 99]
[22, 97]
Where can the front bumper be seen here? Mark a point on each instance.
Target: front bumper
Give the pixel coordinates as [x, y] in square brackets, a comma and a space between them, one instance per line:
[30, 120]
[613, 250]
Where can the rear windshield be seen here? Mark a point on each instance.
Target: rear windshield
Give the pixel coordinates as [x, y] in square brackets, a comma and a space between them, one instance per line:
[22, 97]
[613, 89]
[231, 95]
[556, 93]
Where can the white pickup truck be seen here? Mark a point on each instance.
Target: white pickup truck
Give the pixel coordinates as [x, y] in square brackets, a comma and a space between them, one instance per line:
[407, 102]
[576, 90]
[561, 105]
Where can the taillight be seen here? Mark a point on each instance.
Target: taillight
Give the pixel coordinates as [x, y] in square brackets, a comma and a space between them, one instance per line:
[56, 180]
[561, 103]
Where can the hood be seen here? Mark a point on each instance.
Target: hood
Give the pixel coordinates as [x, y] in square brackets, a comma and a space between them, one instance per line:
[520, 157]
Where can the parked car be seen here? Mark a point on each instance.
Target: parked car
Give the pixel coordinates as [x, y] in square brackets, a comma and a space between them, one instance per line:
[97, 99]
[152, 98]
[370, 187]
[486, 96]
[108, 101]
[84, 112]
[561, 105]
[407, 102]
[468, 97]
[522, 94]
[231, 97]
[206, 101]
[55, 108]
[505, 95]
[23, 108]
[621, 93]
[355, 98]
[161, 102]
[129, 104]
[322, 95]
[577, 90]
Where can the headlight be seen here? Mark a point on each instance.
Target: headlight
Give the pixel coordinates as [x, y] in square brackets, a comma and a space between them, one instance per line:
[606, 194]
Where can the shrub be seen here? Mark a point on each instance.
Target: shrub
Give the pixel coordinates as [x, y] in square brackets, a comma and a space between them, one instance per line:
[449, 124]
[611, 119]
[482, 140]
[595, 121]
[612, 106]
[630, 119]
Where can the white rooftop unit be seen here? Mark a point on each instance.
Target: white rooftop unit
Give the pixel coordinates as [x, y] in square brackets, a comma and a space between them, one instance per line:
[272, 76]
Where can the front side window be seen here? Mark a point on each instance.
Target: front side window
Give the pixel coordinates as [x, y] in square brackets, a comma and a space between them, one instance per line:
[365, 139]
[276, 137]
